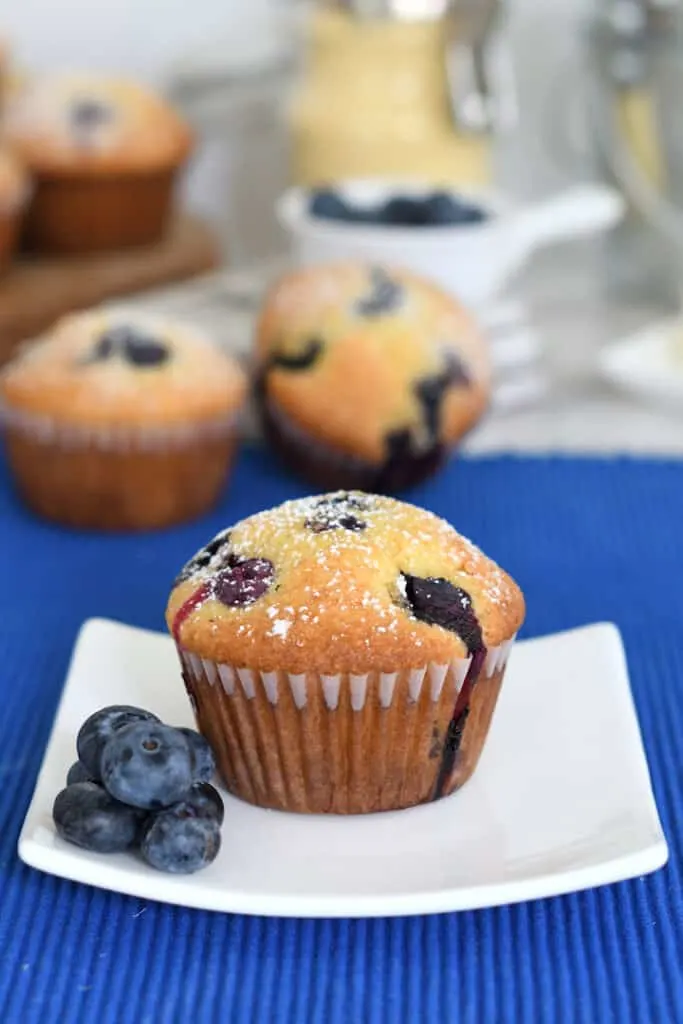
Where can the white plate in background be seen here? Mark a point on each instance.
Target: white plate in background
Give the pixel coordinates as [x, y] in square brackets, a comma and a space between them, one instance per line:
[644, 364]
[561, 799]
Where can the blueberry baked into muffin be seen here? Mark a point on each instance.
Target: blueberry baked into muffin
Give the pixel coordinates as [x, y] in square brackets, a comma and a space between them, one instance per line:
[117, 420]
[104, 154]
[343, 653]
[367, 376]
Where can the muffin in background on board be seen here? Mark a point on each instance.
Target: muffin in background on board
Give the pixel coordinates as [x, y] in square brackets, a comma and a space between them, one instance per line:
[14, 192]
[121, 421]
[104, 153]
[367, 376]
[343, 653]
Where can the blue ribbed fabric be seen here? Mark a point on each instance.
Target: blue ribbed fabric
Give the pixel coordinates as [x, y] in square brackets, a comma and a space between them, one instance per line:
[588, 540]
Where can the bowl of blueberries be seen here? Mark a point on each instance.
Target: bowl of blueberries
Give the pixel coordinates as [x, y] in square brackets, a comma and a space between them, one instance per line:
[469, 243]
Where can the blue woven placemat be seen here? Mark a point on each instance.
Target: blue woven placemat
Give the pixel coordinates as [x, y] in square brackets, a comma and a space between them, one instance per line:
[588, 540]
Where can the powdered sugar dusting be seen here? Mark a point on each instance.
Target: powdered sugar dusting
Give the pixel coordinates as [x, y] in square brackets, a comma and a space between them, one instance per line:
[338, 564]
[281, 627]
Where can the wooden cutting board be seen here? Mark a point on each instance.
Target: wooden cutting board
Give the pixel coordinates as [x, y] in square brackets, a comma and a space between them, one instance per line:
[35, 291]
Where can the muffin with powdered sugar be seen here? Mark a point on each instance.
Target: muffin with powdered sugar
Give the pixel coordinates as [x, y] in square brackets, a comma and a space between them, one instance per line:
[343, 653]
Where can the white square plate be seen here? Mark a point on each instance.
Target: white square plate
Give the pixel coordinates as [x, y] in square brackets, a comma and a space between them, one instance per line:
[561, 799]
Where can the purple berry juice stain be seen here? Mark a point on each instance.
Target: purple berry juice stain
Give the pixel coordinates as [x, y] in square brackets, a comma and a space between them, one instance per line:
[440, 603]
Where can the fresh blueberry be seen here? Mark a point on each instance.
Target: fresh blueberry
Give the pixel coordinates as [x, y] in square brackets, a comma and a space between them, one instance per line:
[147, 764]
[206, 801]
[436, 601]
[85, 814]
[79, 773]
[442, 209]
[472, 214]
[97, 729]
[203, 762]
[403, 212]
[180, 841]
[297, 361]
[329, 205]
[243, 580]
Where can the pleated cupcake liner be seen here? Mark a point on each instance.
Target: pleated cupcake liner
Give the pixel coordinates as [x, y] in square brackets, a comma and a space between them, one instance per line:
[332, 468]
[47, 430]
[314, 448]
[340, 742]
[118, 478]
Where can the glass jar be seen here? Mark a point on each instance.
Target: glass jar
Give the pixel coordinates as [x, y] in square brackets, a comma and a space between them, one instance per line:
[396, 89]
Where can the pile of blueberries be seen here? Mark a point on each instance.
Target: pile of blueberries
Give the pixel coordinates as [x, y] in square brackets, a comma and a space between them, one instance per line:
[141, 785]
[436, 209]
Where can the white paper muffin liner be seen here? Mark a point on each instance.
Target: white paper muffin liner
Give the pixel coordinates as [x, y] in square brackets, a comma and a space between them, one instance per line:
[45, 430]
[344, 743]
[432, 677]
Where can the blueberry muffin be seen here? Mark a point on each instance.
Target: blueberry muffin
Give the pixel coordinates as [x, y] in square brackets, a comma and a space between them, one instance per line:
[14, 190]
[104, 154]
[116, 420]
[367, 377]
[343, 653]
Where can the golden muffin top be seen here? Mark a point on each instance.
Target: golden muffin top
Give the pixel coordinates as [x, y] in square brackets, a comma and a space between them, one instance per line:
[94, 125]
[342, 582]
[120, 368]
[357, 355]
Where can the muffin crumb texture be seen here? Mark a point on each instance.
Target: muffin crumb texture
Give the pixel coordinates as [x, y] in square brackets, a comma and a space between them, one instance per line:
[327, 584]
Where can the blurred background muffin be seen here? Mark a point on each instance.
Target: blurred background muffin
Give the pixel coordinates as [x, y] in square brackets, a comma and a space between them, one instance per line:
[120, 421]
[104, 153]
[367, 377]
[14, 192]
